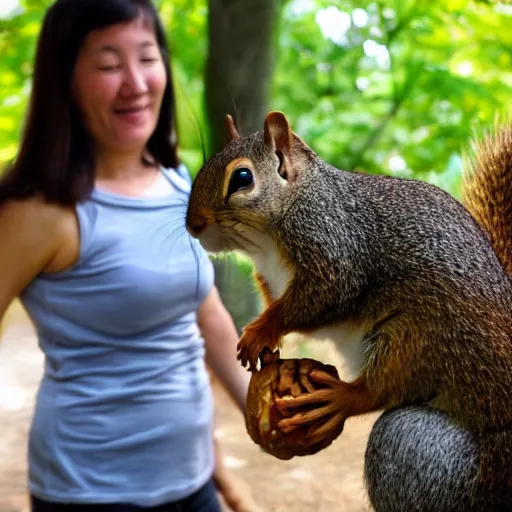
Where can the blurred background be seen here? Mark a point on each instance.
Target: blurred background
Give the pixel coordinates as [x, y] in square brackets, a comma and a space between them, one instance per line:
[389, 86]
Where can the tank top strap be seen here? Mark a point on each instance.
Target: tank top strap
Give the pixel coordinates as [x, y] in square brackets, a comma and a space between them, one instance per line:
[179, 177]
[87, 216]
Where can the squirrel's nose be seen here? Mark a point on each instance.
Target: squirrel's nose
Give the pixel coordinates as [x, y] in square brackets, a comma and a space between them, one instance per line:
[197, 224]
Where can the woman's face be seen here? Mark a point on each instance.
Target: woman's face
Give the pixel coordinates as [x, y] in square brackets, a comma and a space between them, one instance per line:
[118, 85]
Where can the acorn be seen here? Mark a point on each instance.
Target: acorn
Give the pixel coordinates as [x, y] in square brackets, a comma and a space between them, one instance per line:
[283, 378]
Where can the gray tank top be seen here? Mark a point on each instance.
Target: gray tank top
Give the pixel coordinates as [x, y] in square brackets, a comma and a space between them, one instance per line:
[124, 409]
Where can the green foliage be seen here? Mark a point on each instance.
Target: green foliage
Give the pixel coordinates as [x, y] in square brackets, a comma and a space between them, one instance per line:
[17, 36]
[395, 86]
[185, 21]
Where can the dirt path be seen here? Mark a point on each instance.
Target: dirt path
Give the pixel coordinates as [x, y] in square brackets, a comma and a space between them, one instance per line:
[330, 481]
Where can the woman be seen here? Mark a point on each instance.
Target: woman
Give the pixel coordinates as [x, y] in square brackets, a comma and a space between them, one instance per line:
[92, 223]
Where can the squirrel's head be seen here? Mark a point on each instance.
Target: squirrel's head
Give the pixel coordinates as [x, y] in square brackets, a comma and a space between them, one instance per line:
[240, 190]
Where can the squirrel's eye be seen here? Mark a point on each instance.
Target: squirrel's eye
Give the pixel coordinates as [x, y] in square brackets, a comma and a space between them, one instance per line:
[240, 179]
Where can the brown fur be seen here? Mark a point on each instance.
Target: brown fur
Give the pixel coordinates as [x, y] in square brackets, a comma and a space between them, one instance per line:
[487, 187]
[264, 288]
[401, 260]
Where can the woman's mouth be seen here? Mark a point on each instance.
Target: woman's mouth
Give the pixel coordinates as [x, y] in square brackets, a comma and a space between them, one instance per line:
[133, 113]
[131, 110]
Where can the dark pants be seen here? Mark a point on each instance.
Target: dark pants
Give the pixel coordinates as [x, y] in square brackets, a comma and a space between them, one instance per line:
[203, 500]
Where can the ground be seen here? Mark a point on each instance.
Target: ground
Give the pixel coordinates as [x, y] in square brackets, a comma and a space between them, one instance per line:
[329, 481]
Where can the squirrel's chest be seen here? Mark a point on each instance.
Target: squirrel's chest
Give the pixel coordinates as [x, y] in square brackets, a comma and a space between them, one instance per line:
[270, 265]
[347, 341]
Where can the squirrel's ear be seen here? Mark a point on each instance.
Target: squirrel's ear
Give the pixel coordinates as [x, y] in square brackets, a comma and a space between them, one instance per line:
[278, 132]
[279, 135]
[231, 129]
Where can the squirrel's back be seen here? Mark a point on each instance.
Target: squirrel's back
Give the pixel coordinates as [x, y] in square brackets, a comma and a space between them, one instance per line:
[487, 191]
[434, 464]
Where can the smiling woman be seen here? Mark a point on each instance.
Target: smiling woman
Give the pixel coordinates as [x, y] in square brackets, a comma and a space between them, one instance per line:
[119, 83]
[92, 223]
[74, 38]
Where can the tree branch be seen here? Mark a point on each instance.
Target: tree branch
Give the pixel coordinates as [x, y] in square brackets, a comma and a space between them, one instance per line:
[399, 94]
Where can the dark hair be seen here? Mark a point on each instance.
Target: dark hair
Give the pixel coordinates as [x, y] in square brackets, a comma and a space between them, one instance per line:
[55, 157]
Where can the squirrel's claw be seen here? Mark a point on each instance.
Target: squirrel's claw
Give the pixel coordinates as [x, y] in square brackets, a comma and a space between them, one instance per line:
[323, 421]
[262, 333]
[247, 354]
[325, 404]
[328, 416]
[243, 356]
[249, 349]
[331, 429]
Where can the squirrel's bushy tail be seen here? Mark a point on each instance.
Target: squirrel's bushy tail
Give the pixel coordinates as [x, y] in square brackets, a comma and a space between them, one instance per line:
[487, 189]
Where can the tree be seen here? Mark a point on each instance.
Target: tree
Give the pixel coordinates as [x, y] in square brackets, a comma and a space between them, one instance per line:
[239, 69]
[240, 64]
[394, 86]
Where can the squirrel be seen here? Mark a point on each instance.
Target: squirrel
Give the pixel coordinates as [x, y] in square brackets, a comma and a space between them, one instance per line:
[412, 286]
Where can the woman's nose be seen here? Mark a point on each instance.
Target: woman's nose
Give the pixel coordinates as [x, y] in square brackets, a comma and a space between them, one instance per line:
[135, 81]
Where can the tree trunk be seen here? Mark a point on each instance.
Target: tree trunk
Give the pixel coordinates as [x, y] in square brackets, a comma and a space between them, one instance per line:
[238, 76]
[240, 64]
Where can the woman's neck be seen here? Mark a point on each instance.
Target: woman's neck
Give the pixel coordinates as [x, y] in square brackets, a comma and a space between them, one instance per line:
[128, 174]
[120, 166]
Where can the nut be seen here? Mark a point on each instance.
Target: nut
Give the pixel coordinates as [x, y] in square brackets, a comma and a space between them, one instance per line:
[283, 378]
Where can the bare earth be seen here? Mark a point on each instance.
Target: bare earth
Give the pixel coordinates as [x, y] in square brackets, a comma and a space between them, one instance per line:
[329, 481]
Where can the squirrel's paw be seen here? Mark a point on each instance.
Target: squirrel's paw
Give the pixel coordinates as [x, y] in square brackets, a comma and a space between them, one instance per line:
[249, 348]
[326, 408]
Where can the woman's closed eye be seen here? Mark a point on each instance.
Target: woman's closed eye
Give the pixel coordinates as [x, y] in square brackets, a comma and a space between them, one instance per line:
[109, 64]
[109, 68]
[149, 59]
[114, 66]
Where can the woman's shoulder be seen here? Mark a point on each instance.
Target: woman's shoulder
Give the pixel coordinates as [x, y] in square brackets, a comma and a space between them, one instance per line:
[50, 227]
[34, 213]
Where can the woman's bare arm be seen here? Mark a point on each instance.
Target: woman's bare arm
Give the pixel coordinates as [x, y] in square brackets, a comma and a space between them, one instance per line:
[221, 339]
[34, 237]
